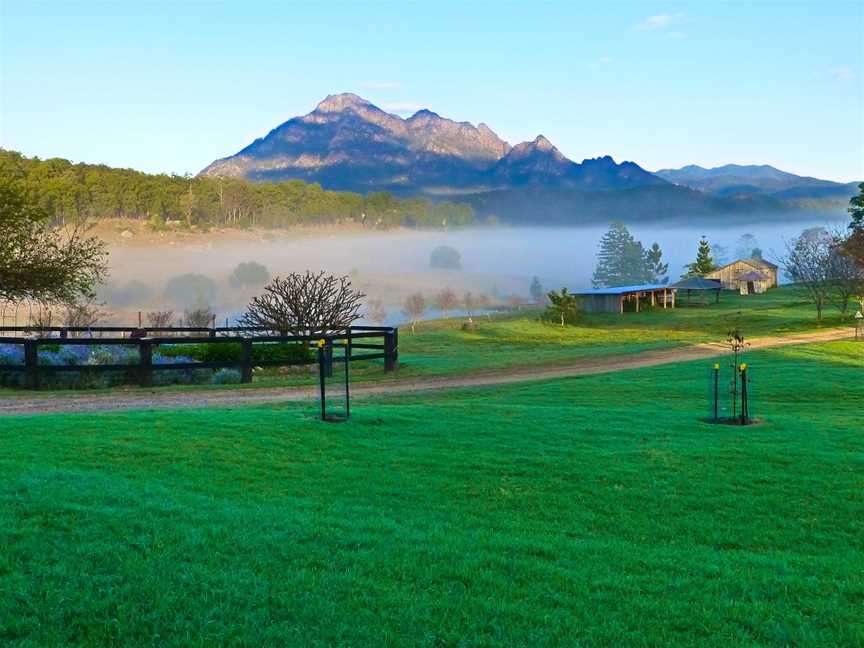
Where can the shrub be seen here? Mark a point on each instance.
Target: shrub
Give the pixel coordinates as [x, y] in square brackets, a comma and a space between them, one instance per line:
[160, 319]
[446, 258]
[191, 289]
[199, 317]
[250, 273]
[232, 352]
[133, 293]
[563, 308]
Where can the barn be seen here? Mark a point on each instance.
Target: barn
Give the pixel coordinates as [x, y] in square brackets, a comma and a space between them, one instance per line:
[747, 276]
[629, 298]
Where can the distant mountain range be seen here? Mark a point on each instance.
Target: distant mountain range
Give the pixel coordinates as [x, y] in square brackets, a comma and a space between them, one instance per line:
[347, 143]
[736, 179]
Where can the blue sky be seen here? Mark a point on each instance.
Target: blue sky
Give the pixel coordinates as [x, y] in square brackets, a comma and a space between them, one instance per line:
[168, 87]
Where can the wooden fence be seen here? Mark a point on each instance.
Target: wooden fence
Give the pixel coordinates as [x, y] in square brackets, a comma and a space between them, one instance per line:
[356, 338]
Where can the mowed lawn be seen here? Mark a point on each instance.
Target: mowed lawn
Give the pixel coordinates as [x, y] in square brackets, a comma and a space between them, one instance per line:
[441, 347]
[595, 511]
[503, 341]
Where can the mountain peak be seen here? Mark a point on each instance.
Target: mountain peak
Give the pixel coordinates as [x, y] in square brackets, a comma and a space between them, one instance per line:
[424, 113]
[540, 142]
[340, 102]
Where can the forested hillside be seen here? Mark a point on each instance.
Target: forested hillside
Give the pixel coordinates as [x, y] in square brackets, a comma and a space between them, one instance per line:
[67, 191]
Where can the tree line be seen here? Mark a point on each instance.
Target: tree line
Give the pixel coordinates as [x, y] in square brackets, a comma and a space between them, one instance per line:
[68, 192]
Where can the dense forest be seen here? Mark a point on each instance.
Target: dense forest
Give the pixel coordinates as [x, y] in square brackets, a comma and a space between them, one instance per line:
[67, 191]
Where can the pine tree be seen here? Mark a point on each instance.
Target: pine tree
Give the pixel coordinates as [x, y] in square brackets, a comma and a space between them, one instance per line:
[563, 307]
[536, 290]
[703, 263]
[621, 260]
[856, 209]
[654, 258]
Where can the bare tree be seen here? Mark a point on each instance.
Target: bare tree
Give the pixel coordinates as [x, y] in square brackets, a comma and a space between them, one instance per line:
[83, 314]
[43, 317]
[160, 319]
[484, 303]
[446, 301]
[515, 302]
[807, 261]
[846, 275]
[413, 308]
[200, 317]
[469, 302]
[375, 311]
[854, 245]
[305, 304]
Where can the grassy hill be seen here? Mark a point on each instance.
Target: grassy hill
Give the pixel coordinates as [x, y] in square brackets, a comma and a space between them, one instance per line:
[589, 511]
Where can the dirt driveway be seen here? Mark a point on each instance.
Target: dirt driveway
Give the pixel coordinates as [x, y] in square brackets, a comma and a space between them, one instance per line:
[156, 399]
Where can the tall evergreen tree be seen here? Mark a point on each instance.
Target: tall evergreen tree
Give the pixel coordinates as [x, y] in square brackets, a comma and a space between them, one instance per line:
[856, 209]
[621, 260]
[654, 258]
[536, 290]
[703, 263]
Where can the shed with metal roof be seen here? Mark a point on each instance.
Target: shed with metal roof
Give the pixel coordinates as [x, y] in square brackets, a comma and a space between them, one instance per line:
[618, 299]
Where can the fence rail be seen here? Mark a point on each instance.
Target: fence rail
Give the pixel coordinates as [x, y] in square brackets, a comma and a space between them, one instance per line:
[247, 337]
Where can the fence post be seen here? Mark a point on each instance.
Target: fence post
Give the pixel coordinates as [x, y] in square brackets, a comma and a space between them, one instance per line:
[391, 349]
[31, 363]
[328, 358]
[246, 361]
[145, 369]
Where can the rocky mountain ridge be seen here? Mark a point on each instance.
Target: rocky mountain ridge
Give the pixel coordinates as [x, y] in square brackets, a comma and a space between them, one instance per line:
[348, 143]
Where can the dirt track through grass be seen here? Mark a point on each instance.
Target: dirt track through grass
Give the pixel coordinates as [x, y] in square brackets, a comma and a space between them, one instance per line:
[154, 399]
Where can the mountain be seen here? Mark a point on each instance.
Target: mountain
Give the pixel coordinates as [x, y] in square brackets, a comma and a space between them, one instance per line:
[763, 179]
[348, 143]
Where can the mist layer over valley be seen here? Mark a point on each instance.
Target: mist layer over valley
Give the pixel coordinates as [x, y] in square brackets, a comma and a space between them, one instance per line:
[498, 262]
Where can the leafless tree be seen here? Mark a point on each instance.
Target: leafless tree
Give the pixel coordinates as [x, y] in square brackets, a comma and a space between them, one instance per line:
[413, 308]
[83, 314]
[515, 302]
[42, 317]
[469, 302]
[446, 301]
[200, 317]
[846, 275]
[375, 311]
[854, 246]
[160, 319]
[807, 261]
[484, 303]
[305, 304]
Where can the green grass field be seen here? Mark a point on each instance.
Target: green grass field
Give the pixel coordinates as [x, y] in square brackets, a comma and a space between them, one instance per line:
[441, 347]
[595, 511]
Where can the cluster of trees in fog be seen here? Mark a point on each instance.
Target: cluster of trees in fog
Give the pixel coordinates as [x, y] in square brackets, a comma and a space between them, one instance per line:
[65, 192]
[622, 260]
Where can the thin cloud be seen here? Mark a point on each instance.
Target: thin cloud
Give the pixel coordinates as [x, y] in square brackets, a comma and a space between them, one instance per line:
[842, 74]
[380, 85]
[659, 22]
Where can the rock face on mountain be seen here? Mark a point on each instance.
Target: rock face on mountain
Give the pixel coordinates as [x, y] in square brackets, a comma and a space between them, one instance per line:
[752, 179]
[349, 143]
